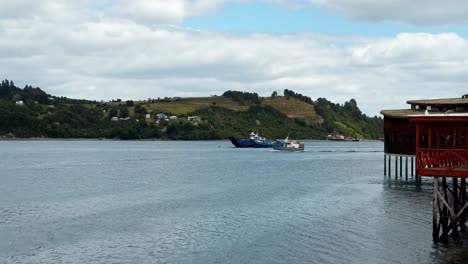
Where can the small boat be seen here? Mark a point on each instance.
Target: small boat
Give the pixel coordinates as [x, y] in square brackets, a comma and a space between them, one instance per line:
[288, 145]
[255, 141]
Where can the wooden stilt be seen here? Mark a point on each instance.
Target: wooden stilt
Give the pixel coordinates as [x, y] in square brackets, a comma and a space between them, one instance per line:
[396, 167]
[406, 168]
[412, 166]
[443, 211]
[449, 208]
[463, 202]
[389, 165]
[435, 211]
[385, 165]
[401, 166]
[455, 207]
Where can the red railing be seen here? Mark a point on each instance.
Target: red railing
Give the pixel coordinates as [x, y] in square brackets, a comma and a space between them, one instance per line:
[437, 158]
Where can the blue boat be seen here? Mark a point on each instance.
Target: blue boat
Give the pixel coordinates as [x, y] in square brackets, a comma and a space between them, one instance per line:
[255, 141]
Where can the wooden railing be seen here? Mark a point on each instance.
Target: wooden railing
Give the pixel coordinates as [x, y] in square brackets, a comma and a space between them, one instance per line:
[436, 158]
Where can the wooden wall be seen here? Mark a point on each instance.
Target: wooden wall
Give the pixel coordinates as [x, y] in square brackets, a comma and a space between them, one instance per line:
[400, 136]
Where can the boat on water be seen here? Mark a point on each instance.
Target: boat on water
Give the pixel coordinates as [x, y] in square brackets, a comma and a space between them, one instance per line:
[288, 145]
[255, 141]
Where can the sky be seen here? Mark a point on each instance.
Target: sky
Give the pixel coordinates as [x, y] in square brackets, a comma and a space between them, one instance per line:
[380, 53]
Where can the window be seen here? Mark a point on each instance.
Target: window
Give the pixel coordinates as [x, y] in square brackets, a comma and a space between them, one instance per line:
[416, 107]
[429, 108]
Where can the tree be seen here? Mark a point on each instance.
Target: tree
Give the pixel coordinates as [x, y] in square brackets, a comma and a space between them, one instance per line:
[123, 112]
[129, 103]
[139, 110]
[113, 112]
[274, 94]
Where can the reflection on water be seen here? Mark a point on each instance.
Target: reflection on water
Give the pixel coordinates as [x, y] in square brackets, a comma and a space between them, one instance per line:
[206, 202]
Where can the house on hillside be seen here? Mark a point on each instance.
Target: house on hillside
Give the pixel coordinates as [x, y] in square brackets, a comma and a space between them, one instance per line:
[161, 116]
[115, 119]
[172, 117]
[194, 119]
[336, 137]
[19, 103]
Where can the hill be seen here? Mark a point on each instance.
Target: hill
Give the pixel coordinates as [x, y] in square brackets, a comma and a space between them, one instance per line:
[31, 112]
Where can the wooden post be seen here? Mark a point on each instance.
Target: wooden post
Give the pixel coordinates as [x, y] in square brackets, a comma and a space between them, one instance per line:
[401, 166]
[444, 213]
[417, 136]
[396, 167]
[463, 202]
[417, 148]
[435, 211]
[389, 165]
[406, 168]
[412, 166]
[455, 207]
[385, 165]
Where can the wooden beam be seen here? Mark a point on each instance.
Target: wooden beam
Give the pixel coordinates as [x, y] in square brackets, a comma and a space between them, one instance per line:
[437, 172]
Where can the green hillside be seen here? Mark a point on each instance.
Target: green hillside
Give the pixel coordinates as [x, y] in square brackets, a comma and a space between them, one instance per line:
[31, 112]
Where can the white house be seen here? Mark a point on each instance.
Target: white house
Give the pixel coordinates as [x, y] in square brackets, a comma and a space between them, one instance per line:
[194, 118]
[161, 116]
[20, 103]
[172, 117]
[115, 119]
[147, 116]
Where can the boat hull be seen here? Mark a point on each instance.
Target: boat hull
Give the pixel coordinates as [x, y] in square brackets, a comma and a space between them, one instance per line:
[288, 149]
[283, 148]
[288, 146]
[245, 143]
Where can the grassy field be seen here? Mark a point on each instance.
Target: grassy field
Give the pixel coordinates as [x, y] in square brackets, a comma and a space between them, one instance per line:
[291, 107]
[186, 105]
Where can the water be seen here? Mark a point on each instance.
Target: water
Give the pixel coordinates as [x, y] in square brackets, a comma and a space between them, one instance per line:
[206, 202]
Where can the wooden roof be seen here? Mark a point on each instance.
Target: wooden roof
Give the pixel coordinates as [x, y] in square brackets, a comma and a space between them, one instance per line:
[451, 101]
[404, 113]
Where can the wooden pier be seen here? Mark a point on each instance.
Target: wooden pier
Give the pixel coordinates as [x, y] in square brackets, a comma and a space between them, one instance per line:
[431, 140]
[442, 153]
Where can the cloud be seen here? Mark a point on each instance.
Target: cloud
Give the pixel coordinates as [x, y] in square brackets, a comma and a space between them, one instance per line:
[174, 11]
[98, 56]
[415, 12]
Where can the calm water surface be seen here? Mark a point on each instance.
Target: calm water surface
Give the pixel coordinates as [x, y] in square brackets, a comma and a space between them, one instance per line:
[206, 202]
